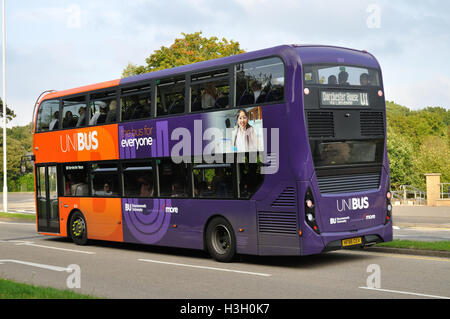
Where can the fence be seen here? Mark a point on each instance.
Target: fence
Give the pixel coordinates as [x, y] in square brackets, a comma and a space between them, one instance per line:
[409, 195]
[445, 186]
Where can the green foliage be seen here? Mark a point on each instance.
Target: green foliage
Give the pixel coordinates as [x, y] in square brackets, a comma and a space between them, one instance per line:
[15, 290]
[418, 143]
[190, 49]
[20, 142]
[9, 113]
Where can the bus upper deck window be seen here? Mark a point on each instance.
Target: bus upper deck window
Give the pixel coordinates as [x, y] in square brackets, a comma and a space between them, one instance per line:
[260, 82]
[74, 112]
[48, 116]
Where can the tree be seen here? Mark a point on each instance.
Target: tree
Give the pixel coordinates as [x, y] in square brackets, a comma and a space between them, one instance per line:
[19, 143]
[418, 142]
[9, 113]
[433, 157]
[190, 49]
[400, 153]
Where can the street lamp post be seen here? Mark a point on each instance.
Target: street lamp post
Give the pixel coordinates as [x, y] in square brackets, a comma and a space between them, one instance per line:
[5, 180]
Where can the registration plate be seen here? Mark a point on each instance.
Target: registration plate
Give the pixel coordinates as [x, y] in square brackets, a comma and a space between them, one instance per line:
[351, 241]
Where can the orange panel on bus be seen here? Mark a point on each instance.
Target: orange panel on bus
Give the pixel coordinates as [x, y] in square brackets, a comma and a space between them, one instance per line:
[103, 216]
[81, 89]
[95, 143]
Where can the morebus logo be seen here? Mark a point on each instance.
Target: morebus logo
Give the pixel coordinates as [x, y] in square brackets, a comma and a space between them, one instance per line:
[352, 204]
[169, 209]
[79, 142]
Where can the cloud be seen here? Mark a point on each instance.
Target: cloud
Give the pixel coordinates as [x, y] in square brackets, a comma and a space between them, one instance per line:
[433, 91]
[62, 44]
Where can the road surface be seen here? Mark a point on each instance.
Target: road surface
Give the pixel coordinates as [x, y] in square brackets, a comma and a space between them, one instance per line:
[116, 270]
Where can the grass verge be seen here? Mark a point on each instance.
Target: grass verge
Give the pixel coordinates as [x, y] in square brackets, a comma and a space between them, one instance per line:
[18, 216]
[14, 290]
[422, 245]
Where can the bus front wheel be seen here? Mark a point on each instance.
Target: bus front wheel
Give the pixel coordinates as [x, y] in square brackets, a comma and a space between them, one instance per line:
[78, 228]
[220, 240]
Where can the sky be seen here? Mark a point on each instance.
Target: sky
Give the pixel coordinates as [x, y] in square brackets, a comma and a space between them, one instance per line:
[59, 44]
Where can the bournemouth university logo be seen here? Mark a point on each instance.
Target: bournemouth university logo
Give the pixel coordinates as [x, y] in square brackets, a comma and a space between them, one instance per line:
[78, 142]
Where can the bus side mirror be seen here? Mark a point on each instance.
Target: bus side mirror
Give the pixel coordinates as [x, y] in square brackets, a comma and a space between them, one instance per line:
[26, 163]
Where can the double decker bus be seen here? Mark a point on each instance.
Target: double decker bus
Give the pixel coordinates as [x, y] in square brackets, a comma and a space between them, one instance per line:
[280, 151]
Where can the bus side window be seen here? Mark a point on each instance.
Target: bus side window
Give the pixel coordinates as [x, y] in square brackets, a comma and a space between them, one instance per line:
[210, 90]
[170, 96]
[103, 107]
[250, 177]
[138, 179]
[260, 82]
[75, 180]
[74, 112]
[215, 181]
[48, 116]
[136, 104]
[105, 180]
[173, 179]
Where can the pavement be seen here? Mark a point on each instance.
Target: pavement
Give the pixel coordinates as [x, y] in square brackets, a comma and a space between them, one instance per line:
[421, 216]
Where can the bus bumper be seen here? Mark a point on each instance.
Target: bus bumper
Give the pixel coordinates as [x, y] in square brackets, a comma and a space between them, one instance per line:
[347, 239]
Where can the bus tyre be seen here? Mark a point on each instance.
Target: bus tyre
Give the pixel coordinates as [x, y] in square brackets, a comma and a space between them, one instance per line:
[220, 240]
[78, 229]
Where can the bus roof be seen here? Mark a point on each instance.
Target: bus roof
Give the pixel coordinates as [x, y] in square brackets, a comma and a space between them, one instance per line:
[309, 54]
[313, 54]
[81, 89]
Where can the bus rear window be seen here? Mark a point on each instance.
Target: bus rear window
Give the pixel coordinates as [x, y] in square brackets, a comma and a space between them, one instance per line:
[340, 75]
[347, 152]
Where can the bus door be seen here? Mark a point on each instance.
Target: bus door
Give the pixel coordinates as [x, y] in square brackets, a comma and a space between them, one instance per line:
[47, 199]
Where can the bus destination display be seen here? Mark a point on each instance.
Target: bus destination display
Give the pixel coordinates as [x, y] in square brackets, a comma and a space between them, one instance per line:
[340, 98]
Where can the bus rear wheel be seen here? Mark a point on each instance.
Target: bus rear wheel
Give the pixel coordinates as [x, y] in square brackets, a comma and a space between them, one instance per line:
[78, 229]
[220, 240]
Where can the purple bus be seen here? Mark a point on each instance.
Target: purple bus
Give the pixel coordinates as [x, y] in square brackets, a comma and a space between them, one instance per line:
[280, 151]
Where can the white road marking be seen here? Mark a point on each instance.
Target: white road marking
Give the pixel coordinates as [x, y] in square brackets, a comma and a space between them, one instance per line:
[26, 224]
[405, 293]
[395, 227]
[43, 266]
[392, 255]
[205, 267]
[30, 243]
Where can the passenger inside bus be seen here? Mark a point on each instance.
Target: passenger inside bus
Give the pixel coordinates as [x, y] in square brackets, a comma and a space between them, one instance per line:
[364, 79]
[332, 80]
[146, 186]
[178, 190]
[81, 116]
[69, 120]
[343, 77]
[209, 96]
[111, 114]
[54, 122]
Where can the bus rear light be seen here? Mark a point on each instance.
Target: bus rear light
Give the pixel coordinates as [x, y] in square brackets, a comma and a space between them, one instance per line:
[310, 211]
[380, 93]
[306, 91]
[388, 207]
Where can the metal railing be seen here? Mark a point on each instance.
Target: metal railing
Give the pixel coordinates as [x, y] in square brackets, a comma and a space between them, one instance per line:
[410, 195]
[445, 186]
